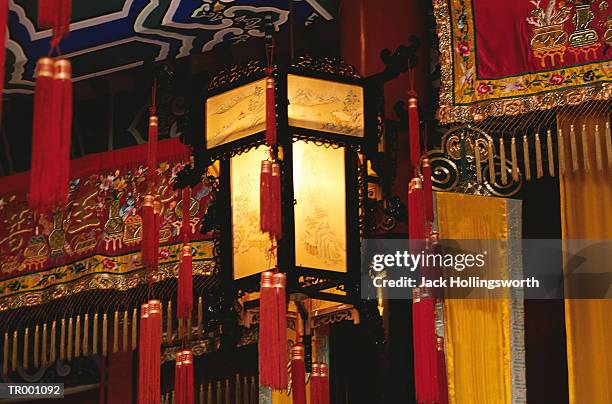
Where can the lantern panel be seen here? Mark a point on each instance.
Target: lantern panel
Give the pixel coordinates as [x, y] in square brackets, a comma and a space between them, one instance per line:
[235, 114]
[320, 209]
[325, 105]
[251, 247]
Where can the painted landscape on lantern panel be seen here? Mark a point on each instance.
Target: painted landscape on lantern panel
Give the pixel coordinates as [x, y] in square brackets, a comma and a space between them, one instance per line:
[235, 114]
[325, 106]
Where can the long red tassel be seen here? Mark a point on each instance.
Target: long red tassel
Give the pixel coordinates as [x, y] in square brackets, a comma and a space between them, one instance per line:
[51, 135]
[143, 349]
[185, 284]
[55, 14]
[151, 380]
[62, 23]
[423, 318]
[324, 384]
[416, 213]
[280, 376]
[148, 232]
[315, 384]
[63, 87]
[183, 378]
[266, 329]
[428, 191]
[45, 139]
[425, 351]
[152, 147]
[298, 374]
[414, 130]
[185, 276]
[3, 27]
[265, 210]
[270, 112]
[275, 201]
[46, 13]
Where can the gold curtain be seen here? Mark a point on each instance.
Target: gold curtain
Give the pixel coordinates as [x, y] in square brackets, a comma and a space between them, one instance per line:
[478, 335]
[586, 201]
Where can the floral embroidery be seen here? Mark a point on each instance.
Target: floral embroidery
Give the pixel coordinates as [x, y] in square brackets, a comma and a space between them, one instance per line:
[462, 92]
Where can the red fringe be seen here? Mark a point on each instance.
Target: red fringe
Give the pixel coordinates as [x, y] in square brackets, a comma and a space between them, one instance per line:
[270, 112]
[298, 374]
[280, 360]
[3, 28]
[183, 378]
[185, 284]
[428, 190]
[275, 202]
[266, 326]
[265, 208]
[414, 130]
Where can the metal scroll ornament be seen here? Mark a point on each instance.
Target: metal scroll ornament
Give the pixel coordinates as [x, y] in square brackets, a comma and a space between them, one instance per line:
[454, 166]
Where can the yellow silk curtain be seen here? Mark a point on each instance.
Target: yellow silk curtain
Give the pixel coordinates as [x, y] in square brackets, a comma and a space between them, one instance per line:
[586, 213]
[477, 331]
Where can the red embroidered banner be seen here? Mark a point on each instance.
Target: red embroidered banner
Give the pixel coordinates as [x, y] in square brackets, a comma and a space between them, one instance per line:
[94, 242]
[513, 57]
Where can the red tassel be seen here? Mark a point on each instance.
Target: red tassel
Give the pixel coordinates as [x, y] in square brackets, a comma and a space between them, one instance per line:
[143, 349]
[423, 317]
[416, 213]
[270, 112]
[63, 87]
[185, 284]
[428, 191]
[442, 379]
[3, 28]
[51, 135]
[298, 374]
[62, 25]
[324, 384]
[425, 350]
[315, 384]
[151, 374]
[275, 201]
[156, 229]
[266, 329]
[46, 13]
[280, 376]
[148, 232]
[152, 149]
[183, 378]
[414, 130]
[55, 14]
[45, 139]
[264, 196]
